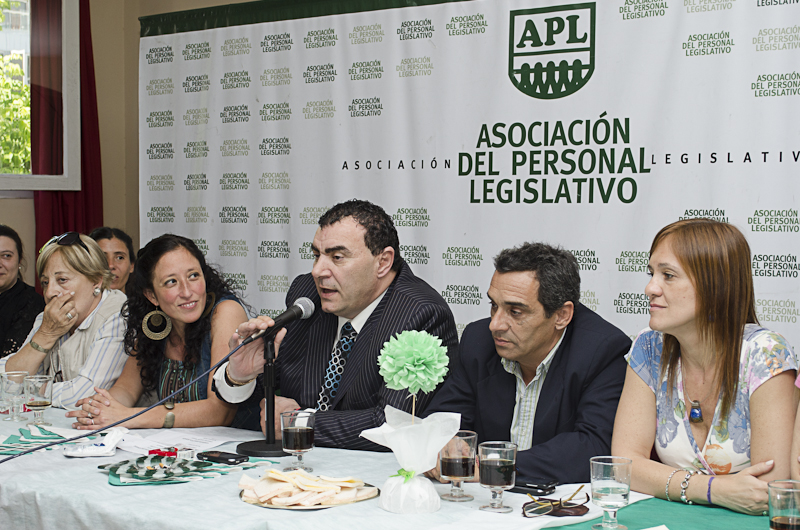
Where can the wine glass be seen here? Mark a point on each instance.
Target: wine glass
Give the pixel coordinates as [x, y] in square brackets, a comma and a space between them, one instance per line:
[497, 460]
[611, 487]
[457, 460]
[14, 390]
[38, 395]
[297, 434]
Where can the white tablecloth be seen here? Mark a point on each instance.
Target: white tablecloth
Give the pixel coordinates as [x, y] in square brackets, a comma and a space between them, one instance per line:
[50, 491]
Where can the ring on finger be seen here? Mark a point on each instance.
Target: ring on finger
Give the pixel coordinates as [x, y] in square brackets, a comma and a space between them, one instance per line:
[92, 421]
[90, 402]
[69, 316]
[89, 415]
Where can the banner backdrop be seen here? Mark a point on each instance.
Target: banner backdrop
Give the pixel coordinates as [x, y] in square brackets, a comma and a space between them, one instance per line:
[478, 125]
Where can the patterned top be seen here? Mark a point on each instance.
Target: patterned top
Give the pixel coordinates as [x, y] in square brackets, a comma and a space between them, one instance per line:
[765, 354]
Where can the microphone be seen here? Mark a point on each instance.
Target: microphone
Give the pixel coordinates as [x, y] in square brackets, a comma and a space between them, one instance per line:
[301, 309]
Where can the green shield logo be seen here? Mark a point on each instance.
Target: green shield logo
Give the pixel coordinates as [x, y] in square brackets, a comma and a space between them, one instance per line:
[551, 49]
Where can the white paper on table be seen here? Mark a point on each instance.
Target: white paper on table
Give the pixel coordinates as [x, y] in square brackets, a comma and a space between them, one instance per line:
[134, 443]
[188, 438]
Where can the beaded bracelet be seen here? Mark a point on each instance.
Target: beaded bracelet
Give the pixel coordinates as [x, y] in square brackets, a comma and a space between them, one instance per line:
[666, 488]
[685, 484]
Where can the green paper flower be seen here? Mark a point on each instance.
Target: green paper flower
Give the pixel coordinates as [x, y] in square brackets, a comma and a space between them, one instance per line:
[415, 360]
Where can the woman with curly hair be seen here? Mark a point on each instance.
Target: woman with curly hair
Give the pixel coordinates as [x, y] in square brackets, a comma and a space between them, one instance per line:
[706, 384]
[180, 316]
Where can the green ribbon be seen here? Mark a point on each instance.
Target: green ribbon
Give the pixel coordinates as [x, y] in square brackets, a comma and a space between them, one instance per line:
[408, 475]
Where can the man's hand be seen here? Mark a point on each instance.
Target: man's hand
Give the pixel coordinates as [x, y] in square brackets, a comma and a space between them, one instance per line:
[249, 361]
[282, 404]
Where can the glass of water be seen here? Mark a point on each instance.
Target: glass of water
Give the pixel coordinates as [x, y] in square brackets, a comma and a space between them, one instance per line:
[14, 390]
[611, 487]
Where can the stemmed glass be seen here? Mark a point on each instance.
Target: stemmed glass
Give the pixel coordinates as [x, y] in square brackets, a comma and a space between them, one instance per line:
[14, 389]
[38, 395]
[497, 473]
[297, 435]
[457, 460]
[611, 487]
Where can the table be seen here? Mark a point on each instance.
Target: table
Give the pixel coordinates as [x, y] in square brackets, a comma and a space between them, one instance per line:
[48, 490]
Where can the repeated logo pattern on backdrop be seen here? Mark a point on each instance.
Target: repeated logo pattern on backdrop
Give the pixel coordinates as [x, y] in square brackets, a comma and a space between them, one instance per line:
[479, 125]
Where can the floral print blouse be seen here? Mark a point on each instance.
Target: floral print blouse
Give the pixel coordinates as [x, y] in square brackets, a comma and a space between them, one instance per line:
[765, 354]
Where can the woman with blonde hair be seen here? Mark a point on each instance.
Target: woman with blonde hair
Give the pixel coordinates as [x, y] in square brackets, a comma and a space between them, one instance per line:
[717, 387]
[78, 337]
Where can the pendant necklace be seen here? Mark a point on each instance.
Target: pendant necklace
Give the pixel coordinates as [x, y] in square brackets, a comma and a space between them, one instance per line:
[695, 412]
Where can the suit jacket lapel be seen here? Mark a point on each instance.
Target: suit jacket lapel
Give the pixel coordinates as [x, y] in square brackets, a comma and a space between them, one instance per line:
[320, 339]
[550, 396]
[497, 395]
[365, 349]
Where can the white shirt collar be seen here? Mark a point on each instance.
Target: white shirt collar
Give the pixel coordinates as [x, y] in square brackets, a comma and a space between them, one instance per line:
[360, 319]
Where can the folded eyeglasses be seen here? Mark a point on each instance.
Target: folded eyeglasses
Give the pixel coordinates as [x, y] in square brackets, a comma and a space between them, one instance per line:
[563, 507]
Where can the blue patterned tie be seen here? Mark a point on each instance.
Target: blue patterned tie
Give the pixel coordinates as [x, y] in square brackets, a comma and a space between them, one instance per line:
[333, 376]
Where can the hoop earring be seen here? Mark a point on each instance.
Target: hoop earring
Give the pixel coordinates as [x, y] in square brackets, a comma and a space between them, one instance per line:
[158, 317]
[209, 307]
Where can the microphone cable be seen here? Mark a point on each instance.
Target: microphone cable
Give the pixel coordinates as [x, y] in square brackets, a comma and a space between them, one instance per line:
[184, 387]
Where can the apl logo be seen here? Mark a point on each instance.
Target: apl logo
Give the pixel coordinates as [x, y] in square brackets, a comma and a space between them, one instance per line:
[560, 64]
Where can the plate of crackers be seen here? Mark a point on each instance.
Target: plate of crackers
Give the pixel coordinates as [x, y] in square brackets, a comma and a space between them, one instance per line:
[299, 490]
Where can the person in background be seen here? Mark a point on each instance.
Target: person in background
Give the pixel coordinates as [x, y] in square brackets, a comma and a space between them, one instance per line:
[705, 383]
[19, 302]
[78, 337]
[180, 315]
[118, 248]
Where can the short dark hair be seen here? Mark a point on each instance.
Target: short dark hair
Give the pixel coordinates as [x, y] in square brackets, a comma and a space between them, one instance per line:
[106, 232]
[556, 270]
[380, 230]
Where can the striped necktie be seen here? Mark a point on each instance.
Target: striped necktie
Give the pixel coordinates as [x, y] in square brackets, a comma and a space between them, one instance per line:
[333, 375]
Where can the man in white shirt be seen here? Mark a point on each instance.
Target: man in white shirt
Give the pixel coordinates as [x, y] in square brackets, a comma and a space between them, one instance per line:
[367, 294]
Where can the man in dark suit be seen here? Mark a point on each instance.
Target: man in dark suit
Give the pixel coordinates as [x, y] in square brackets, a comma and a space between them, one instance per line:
[363, 287]
[544, 372]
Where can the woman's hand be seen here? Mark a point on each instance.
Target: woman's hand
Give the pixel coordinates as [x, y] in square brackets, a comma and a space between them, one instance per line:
[743, 491]
[249, 361]
[97, 411]
[59, 316]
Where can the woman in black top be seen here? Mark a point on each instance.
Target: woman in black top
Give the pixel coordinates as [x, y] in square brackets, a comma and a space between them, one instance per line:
[19, 302]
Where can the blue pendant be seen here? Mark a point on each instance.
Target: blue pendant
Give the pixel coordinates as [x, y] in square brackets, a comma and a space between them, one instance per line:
[696, 413]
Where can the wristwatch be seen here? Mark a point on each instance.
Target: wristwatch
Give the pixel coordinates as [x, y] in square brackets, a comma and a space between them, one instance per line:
[169, 419]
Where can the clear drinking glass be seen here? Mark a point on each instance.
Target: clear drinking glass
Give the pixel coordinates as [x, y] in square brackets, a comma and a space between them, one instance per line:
[14, 390]
[784, 504]
[38, 395]
[3, 403]
[611, 487]
[297, 435]
[497, 460]
[457, 461]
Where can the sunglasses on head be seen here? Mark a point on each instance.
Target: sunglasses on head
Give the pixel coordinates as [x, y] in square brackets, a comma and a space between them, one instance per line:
[557, 508]
[66, 239]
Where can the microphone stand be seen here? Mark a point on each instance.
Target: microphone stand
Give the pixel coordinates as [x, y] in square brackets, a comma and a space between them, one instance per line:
[267, 447]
